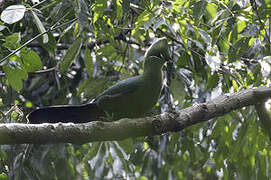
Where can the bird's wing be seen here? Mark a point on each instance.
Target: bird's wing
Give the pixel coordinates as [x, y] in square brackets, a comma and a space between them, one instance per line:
[124, 99]
[121, 88]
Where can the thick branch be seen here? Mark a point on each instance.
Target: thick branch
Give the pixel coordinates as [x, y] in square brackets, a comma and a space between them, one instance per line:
[125, 128]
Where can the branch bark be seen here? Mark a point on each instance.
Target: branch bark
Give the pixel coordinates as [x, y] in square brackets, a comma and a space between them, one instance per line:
[125, 128]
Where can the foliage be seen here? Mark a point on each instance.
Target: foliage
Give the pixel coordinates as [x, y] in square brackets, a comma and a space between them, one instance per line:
[86, 45]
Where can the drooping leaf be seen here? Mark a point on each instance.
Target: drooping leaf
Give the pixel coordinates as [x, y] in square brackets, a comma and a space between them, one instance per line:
[40, 27]
[71, 54]
[88, 61]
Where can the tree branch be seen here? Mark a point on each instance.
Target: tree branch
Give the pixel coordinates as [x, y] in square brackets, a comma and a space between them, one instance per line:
[126, 128]
[44, 71]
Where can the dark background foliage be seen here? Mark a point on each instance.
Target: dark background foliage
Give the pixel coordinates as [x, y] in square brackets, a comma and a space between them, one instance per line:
[67, 52]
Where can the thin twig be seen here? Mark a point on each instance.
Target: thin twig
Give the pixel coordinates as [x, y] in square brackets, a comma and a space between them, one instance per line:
[34, 6]
[53, 69]
[31, 40]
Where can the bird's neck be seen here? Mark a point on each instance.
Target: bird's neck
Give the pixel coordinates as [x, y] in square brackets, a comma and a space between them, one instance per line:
[152, 74]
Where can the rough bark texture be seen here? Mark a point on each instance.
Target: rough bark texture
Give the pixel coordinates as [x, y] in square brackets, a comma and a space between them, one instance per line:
[125, 128]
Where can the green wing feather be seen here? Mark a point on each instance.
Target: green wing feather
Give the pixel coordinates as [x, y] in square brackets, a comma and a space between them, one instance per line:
[123, 87]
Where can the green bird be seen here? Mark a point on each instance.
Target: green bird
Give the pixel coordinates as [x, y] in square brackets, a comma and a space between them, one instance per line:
[129, 98]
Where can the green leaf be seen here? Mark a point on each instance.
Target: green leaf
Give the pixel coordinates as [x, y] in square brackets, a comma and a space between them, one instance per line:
[40, 27]
[71, 54]
[141, 20]
[13, 14]
[3, 176]
[98, 9]
[177, 5]
[241, 25]
[212, 9]
[31, 60]
[12, 41]
[143, 178]
[15, 73]
[119, 9]
[88, 61]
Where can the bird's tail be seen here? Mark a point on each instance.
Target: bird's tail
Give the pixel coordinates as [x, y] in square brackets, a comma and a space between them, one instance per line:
[65, 114]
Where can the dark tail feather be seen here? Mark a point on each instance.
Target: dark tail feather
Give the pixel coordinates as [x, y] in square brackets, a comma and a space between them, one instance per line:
[65, 114]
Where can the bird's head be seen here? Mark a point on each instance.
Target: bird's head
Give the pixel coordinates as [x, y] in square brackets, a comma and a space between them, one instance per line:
[159, 49]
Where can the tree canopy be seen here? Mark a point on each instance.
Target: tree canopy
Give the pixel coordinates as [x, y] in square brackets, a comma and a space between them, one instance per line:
[67, 52]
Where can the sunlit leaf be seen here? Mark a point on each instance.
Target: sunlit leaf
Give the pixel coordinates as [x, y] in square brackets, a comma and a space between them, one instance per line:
[13, 14]
[241, 25]
[4, 176]
[119, 8]
[212, 9]
[98, 9]
[177, 5]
